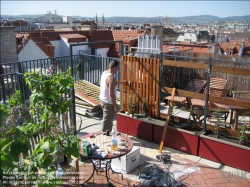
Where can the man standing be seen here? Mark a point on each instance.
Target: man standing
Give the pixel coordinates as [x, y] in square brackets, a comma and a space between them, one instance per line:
[108, 95]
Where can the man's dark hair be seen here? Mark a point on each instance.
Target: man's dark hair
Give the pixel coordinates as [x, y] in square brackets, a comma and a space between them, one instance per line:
[113, 63]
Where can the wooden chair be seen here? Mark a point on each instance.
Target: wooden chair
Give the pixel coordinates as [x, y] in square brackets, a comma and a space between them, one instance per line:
[69, 170]
[243, 95]
[216, 88]
[195, 85]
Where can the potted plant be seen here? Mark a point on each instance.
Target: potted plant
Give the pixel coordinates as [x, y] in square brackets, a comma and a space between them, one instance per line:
[131, 106]
[143, 108]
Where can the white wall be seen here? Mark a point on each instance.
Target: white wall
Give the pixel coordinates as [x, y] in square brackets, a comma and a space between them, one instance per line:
[57, 45]
[187, 37]
[102, 52]
[31, 52]
[64, 47]
[75, 50]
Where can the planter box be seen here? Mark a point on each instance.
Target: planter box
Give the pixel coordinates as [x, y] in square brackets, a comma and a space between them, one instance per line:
[224, 152]
[178, 139]
[138, 127]
[151, 130]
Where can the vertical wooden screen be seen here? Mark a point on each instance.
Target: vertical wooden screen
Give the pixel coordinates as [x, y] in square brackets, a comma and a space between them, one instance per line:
[143, 76]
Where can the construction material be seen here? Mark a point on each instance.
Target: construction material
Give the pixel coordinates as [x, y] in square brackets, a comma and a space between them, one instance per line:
[87, 100]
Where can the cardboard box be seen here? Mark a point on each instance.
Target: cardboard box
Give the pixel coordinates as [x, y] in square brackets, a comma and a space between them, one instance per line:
[127, 162]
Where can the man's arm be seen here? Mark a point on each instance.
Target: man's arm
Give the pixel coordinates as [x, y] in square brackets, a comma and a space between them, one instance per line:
[122, 82]
[112, 83]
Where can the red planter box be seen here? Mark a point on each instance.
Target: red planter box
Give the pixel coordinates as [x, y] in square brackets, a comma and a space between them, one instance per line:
[224, 152]
[134, 127]
[178, 139]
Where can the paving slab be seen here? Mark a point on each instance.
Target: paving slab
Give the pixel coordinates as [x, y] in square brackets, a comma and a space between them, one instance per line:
[190, 157]
[210, 163]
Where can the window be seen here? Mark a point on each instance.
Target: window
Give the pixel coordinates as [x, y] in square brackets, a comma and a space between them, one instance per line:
[125, 50]
[92, 51]
[229, 52]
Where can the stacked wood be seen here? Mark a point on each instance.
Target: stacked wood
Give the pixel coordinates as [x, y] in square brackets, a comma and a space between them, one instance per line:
[87, 100]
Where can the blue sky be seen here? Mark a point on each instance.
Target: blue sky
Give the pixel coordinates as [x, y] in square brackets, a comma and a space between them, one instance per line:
[128, 8]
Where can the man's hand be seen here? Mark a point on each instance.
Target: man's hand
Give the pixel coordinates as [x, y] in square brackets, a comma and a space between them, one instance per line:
[125, 82]
[116, 108]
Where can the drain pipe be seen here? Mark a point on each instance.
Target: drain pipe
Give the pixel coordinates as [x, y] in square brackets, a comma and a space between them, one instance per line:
[207, 93]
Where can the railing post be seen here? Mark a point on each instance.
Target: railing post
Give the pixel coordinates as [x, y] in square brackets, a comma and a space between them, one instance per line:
[71, 60]
[73, 111]
[207, 92]
[21, 79]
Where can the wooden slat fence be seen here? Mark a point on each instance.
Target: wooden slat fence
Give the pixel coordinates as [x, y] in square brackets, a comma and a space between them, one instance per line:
[143, 76]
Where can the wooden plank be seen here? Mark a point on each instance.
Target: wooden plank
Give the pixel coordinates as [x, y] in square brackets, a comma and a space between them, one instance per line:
[184, 93]
[122, 86]
[153, 85]
[232, 70]
[144, 78]
[230, 101]
[137, 78]
[157, 84]
[148, 88]
[167, 120]
[184, 64]
[141, 74]
[223, 100]
[135, 82]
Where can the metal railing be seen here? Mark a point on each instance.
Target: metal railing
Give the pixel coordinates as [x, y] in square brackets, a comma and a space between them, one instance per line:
[11, 77]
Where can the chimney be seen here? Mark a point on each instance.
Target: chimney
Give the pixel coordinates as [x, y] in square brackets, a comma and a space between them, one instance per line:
[215, 48]
[243, 44]
[158, 30]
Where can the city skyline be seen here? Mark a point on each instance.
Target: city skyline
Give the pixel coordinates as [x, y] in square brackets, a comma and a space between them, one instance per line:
[220, 9]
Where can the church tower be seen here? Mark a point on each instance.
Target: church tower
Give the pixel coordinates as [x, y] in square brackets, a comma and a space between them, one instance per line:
[96, 20]
[103, 20]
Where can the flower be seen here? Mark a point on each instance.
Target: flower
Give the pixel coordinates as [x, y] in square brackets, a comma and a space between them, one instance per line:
[50, 70]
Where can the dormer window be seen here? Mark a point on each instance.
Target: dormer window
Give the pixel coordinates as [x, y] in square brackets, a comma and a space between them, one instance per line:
[229, 52]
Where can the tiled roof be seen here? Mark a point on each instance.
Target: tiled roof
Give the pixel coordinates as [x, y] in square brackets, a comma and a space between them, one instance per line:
[129, 38]
[16, 23]
[43, 37]
[228, 46]
[101, 36]
[74, 37]
[168, 31]
[195, 48]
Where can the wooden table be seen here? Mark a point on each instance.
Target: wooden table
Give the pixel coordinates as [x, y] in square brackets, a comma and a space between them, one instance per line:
[236, 111]
[101, 164]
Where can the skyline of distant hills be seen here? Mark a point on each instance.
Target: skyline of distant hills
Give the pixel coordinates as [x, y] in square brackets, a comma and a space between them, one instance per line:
[123, 19]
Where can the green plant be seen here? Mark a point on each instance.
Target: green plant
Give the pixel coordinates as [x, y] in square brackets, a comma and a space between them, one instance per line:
[243, 136]
[144, 105]
[79, 69]
[16, 99]
[217, 124]
[48, 101]
[131, 106]
[13, 137]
